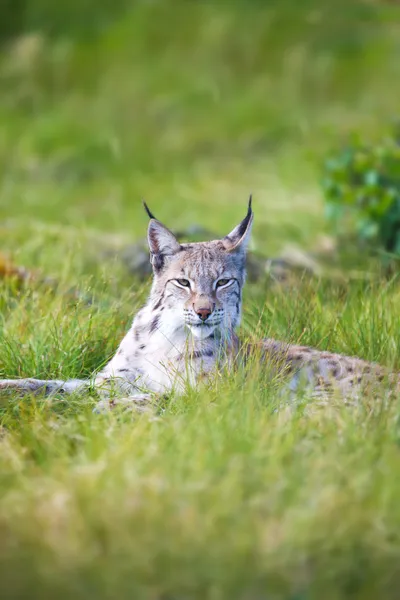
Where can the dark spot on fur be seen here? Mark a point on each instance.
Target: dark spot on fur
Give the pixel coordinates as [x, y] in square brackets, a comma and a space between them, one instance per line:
[332, 364]
[123, 370]
[297, 358]
[137, 335]
[142, 346]
[158, 262]
[159, 301]
[336, 370]
[154, 324]
[202, 353]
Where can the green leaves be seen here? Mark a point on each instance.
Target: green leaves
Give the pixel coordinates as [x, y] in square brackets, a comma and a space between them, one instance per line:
[363, 182]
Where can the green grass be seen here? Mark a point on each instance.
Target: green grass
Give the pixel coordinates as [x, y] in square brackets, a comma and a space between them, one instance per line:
[231, 492]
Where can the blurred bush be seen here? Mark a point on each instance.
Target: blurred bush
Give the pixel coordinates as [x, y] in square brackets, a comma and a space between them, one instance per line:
[54, 18]
[89, 16]
[362, 191]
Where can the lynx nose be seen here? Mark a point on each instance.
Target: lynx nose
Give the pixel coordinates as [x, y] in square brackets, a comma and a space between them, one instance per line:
[203, 313]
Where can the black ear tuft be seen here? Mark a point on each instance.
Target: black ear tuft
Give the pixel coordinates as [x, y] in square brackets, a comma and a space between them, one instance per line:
[238, 238]
[241, 230]
[148, 211]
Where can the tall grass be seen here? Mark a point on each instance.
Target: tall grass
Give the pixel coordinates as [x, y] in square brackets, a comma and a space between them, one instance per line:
[233, 491]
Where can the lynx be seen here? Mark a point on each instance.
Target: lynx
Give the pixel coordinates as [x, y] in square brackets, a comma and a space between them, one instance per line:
[187, 329]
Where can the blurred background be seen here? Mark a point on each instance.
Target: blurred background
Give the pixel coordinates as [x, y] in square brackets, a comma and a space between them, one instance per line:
[190, 105]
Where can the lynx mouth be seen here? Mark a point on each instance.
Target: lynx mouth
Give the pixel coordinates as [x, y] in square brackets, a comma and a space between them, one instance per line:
[204, 324]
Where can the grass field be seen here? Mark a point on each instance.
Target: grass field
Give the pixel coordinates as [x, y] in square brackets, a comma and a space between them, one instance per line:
[226, 494]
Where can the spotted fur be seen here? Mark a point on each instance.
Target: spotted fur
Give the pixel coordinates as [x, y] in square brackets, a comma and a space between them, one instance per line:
[187, 327]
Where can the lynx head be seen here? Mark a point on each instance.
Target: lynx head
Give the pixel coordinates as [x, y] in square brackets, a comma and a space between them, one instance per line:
[198, 286]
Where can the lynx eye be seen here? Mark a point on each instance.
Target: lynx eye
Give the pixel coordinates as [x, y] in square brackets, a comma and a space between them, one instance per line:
[222, 282]
[183, 282]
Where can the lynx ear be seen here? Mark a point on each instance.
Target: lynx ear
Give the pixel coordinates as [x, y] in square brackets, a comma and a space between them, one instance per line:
[161, 240]
[238, 238]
